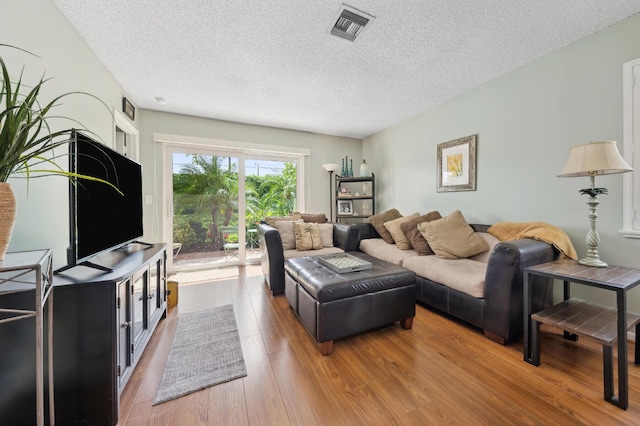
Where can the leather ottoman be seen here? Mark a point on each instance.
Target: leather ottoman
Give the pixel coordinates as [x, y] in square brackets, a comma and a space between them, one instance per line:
[334, 305]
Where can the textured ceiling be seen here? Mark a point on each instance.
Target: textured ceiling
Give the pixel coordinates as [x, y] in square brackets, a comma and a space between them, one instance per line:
[274, 63]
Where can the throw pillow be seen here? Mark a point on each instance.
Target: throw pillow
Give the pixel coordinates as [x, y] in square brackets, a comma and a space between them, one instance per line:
[452, 237]
[317, 218]
[378, 220]
[326, 234]
[307, 236]
[491, 242]
[393, 226]
[287, 235]
[271, 220]
[415, 238]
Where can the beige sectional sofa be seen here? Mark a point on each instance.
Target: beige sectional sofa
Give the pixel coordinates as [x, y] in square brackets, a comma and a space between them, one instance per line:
[483, 286]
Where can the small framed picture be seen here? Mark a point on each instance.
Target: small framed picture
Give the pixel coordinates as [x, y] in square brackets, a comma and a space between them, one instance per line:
[128, 109]
[457, 165]
[345, 207]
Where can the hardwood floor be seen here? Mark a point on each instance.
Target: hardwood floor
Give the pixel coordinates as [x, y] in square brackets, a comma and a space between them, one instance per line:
[439, 372]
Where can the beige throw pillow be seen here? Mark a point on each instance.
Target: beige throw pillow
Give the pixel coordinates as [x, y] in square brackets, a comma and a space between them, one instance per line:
[378, 220]
[287, 235]
[452, 237]
[415, 238]
[307, 236]
[393, 226]
[271, 220]
[326, 234]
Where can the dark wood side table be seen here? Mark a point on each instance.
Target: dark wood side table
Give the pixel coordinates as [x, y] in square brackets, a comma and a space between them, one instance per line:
[581, 318]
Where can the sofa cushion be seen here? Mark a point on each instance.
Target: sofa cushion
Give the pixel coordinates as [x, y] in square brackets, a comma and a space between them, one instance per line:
[464, 275]
[307, 236]
[415, 238]
[271, 220]
[287, 235]
[393, 226]
[377, 247]
[316, 218]
[378, 220]
[326, 234]
[452, 237]
[491, 242]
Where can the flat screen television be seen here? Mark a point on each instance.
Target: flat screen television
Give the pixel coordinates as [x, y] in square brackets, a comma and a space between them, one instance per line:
[100, 218]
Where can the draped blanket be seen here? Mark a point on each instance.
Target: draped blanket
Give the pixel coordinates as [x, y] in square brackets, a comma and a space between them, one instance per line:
[505, 231]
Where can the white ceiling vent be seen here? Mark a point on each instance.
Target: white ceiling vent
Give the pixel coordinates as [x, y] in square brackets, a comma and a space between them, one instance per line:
[350, 23]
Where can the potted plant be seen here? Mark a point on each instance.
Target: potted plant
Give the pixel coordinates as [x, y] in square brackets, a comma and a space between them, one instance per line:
[27, 141]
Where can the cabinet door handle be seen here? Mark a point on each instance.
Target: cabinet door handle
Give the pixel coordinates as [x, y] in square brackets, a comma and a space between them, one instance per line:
[126, 324]
[151, 296]
[141, 297]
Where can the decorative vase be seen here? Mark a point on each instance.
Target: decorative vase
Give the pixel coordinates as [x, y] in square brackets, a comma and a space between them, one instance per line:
[364, 168]
[351, 169]
[7, 216]
[342, 170]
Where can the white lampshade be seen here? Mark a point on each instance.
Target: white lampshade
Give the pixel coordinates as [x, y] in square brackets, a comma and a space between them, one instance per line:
[595, 158]
[331, 167]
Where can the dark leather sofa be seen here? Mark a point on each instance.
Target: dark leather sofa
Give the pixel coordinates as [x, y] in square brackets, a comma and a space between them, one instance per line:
[499, 313]
[345, 237]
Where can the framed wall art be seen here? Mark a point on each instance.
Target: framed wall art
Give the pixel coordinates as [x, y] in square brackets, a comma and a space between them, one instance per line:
[457, 165]
[128, 108]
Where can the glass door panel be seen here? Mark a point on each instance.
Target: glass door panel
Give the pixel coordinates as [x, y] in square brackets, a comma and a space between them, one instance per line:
[270, 190]
[205, 211]
[139, 305]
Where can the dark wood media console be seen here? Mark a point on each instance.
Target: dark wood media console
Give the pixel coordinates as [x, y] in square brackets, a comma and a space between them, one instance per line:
[102, 323]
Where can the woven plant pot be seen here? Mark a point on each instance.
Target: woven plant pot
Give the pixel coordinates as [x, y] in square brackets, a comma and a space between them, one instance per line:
[7, 216]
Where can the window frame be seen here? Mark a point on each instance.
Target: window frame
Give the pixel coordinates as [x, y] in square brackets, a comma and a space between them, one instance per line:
[631, 149]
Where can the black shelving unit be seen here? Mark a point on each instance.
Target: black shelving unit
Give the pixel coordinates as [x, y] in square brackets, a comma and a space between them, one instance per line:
[352, 206]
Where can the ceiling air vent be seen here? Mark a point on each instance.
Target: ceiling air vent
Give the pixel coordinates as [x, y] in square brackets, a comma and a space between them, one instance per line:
[350, 23]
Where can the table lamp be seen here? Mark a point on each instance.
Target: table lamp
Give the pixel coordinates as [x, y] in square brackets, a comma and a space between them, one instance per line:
[591, 159]
[330, 167]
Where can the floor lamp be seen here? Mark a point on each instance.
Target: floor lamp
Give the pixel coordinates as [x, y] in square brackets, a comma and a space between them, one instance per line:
[330, 167]
[591, 159]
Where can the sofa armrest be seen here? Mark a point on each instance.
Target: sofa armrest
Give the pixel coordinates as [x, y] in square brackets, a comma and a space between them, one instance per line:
[503, 285]
[366, 231]
[346, 237]
[272, 258]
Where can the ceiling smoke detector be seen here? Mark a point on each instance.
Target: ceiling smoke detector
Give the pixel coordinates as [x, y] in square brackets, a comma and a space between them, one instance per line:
[350, 23]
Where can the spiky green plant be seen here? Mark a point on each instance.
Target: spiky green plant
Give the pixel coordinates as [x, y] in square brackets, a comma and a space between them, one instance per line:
[27, 142]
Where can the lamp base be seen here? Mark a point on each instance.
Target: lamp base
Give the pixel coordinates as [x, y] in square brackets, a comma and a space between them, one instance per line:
[593, 261]
[592, 241]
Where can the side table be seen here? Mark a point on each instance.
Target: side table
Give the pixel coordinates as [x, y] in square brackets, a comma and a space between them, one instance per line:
[32, 271]
[577, 317]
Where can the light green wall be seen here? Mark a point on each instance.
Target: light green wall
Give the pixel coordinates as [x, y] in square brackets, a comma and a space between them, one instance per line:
[39, 27]
[324, 149]
[526, 121]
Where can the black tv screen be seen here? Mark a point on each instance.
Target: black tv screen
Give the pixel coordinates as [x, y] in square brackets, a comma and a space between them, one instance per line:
[101, 218]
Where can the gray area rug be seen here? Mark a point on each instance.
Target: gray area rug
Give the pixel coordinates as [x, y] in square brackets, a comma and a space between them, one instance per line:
[205, 351]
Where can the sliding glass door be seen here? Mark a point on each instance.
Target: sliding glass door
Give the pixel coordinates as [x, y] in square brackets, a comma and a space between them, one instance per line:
[218, 199]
